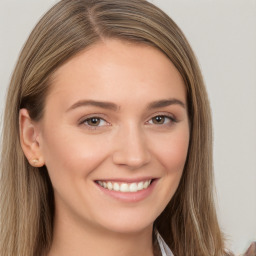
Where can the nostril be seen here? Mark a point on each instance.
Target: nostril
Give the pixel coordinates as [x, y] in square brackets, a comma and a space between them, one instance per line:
[131, 148]
[131, 159]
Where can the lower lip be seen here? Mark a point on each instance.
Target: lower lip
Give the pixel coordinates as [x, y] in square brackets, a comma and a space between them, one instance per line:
[129, 196]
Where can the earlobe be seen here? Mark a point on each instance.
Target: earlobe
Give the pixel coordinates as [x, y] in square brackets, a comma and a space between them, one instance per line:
[29, 139]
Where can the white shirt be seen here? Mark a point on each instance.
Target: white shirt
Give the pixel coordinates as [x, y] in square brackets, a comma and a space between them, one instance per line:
[165, 250]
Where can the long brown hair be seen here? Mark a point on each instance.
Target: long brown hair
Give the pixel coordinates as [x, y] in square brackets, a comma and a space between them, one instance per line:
[188, 224]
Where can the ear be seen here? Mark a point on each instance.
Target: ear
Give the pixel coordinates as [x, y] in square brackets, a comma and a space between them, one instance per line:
[29, 139]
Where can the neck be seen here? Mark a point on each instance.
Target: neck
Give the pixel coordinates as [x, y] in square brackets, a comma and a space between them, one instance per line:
[72, 239]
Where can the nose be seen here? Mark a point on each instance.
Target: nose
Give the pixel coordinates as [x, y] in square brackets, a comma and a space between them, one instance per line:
[131, 148]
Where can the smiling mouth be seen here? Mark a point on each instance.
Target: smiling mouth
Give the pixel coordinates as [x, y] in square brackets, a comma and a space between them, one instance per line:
[125, 187]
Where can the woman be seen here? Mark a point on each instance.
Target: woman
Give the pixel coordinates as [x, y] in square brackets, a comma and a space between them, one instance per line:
[107, 138]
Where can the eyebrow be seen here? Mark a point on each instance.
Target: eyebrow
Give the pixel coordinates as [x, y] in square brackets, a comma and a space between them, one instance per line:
[114, 107]
[165, 103]
[100, 104]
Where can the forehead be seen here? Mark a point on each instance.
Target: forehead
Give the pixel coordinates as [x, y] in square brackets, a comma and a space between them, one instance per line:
[112, 68]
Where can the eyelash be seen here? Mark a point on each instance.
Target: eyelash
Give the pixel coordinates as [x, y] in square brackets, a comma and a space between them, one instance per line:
[91, 127]
[171, 121]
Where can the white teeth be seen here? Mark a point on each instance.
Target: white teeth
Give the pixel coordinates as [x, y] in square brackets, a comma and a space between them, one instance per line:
[116, 186]
[109, 185]
[146, 183]
[133, 187]
[125, 187]
[140, 185]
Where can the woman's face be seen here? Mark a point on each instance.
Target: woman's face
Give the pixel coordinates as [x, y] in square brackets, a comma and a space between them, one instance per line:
[115, 120]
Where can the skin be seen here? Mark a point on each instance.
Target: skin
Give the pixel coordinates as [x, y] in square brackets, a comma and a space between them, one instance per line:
[127, 142]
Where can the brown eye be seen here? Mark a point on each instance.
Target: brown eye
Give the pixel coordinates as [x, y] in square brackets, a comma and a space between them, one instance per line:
[162, 120]
[159, 119]
[93, 121]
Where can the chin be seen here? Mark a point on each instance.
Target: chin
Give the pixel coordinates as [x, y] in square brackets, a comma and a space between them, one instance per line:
[130, 222]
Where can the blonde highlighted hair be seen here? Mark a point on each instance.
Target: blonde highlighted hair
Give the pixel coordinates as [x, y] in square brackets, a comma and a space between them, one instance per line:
[188, 224]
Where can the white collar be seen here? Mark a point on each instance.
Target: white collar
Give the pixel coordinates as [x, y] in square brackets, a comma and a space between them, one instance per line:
[165, 250]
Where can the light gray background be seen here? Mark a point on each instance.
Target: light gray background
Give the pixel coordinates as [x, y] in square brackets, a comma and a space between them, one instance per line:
[223, 36]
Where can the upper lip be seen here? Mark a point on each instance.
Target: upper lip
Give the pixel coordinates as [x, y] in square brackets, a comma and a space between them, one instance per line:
[127, 180]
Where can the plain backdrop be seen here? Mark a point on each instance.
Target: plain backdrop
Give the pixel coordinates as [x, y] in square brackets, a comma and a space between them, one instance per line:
[223, 36]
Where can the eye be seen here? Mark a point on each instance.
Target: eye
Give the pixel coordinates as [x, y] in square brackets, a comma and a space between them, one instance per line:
[161, 119]
[95, 122]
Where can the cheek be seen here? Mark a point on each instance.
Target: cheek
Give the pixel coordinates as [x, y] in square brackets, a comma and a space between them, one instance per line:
[71, 154]
[173, 159]
[171, 151]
